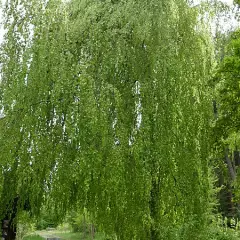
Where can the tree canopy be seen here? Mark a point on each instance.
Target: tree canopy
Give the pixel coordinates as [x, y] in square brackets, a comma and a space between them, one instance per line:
[107, 108]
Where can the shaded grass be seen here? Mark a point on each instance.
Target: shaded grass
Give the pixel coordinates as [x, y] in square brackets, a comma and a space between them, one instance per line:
[79, 236]
[66, 235]
[32, 237]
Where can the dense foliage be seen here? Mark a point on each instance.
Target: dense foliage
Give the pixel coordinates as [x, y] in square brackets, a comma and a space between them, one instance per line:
[226, 127]
[227, 86]
[107, 108]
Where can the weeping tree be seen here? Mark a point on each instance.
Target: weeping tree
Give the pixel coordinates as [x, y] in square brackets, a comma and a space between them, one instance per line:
[106, 108]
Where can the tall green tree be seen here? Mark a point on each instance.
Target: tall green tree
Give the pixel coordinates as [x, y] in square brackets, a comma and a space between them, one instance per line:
[107, 107]
[226, 127]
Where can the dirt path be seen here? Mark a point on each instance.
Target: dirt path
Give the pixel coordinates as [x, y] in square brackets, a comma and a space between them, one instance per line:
[48, 235]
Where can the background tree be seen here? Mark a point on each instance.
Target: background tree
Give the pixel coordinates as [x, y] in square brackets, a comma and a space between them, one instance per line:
[226, 126]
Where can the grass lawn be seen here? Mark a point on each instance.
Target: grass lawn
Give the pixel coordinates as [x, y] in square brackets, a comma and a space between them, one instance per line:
[33, 237]
[79, 236]
[64, 235]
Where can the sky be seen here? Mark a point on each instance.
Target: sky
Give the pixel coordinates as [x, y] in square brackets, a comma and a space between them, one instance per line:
[230, 2]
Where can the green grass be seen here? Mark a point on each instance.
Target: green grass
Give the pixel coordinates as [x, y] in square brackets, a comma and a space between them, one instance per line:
[79, 236]
[33, 237]
[64, 235]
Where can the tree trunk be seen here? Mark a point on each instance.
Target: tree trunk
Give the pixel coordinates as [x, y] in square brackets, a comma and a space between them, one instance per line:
[8, 230]
[230, 165]
[85, 226]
